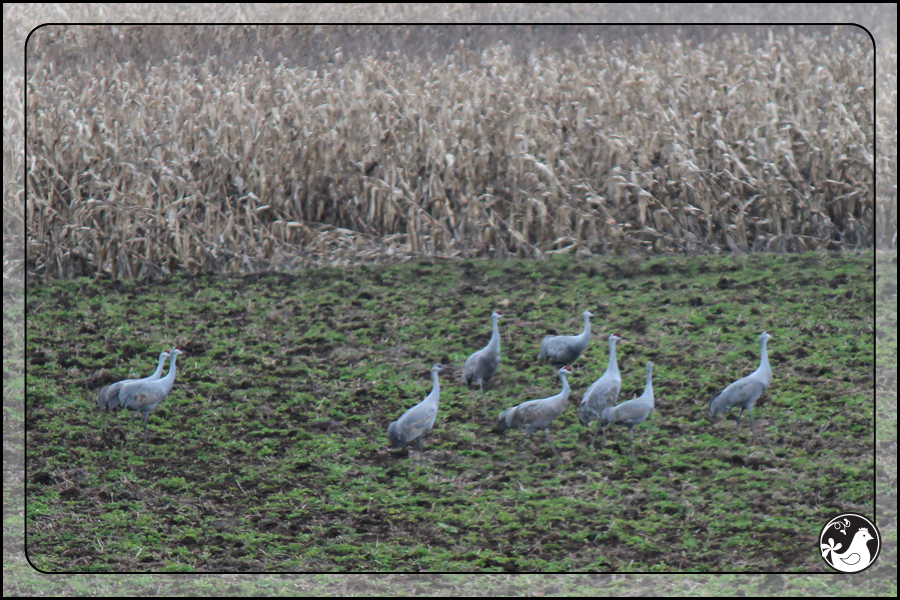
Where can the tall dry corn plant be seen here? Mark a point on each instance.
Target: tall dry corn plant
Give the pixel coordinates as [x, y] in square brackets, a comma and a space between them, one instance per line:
[232, 163]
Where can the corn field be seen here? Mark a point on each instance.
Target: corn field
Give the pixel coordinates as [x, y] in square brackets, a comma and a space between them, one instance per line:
[210, 163]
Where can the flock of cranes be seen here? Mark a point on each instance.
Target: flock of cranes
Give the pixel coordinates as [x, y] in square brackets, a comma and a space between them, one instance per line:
[598, 402]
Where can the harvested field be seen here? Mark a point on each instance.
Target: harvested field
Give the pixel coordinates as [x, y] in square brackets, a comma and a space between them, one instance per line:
[271, 454]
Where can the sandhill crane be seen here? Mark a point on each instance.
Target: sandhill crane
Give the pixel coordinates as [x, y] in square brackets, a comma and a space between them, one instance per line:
[745, 392]
[631, 412]
[108, 396]
[482, 365]
[418, 420]
[535, 415]
[564, 349]
[144, 396]
[603, 392]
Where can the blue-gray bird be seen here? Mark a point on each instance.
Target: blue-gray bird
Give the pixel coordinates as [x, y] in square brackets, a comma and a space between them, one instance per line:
[564, 349]
[144, 396]
[631, 412]
[482, 365]
[418, 420]
[603, 392]
[108, 396]
[535, 415]
[745, 392]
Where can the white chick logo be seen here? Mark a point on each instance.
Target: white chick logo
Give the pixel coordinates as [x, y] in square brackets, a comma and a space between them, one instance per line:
[844, 543]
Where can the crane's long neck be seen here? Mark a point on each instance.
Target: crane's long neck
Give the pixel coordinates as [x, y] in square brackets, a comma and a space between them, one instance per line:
[613, 364]
[169, 379]
[494, 344]
[648, 388]
[764, 369]
[435, 387]
[564, 394]
[587, 329]
[159, 367]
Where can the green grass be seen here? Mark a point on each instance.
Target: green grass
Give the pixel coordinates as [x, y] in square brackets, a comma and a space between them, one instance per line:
[270, 454]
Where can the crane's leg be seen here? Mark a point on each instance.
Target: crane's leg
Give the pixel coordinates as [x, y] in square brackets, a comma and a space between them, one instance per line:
[753, 428]
[145, 426]
[483, 403]
[418, 443]
[630, 436]
[547, 437]
[522, 439]
[739, 418]
[105, 414]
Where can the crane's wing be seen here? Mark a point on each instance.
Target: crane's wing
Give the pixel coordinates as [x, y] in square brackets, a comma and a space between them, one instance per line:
[536, 413]
[740, 393]
[554, 345]
[472, 367]
[602, 393]
[417, 420]
[139, 396]
[630, 412]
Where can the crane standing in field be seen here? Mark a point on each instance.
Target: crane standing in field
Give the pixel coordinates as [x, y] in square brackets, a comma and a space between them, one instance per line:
[108, 396]
[419, 419]
[535, 415]
[482, 365]
[745, 392]
[144, 396]
[631, 412]
[564, 349]
[603, 392]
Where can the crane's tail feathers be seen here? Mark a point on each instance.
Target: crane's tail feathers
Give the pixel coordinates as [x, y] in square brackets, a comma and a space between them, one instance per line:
[503, 421]
[394, 437]
[102, 397]
[586, 414]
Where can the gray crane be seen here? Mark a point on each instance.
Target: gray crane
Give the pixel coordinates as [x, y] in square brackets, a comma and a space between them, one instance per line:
[419, 419]
[564, 349]
[631, 412]
[603, 392]
[144, 396]
[108, 396]
[745, 392]
[535, 415]
[482, 365]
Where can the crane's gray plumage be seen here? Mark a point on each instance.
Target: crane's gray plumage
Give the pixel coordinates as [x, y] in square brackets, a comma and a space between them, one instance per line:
[482, 365]
[564, 349]
[108, 396]
[745, 392]
[418, 420]
[631, 412]
[535, 415]
[144, 396]
[603, 392]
